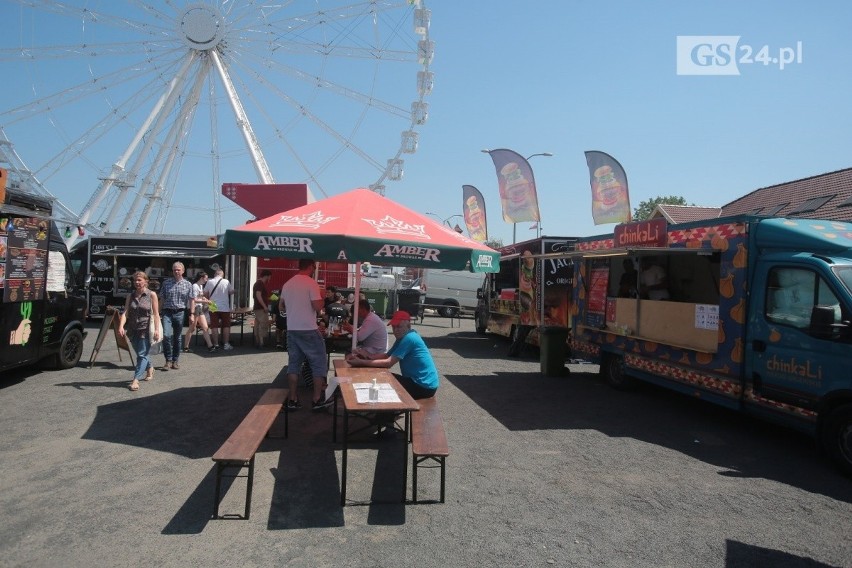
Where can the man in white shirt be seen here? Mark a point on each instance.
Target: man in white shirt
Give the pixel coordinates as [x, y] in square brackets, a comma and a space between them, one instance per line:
[220, 291]
[302, 300]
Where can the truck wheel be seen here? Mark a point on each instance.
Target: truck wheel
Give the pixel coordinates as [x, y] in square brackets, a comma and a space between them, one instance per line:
[70, 350]
[837, 437]
[612, 369]
[481, 322]
[448, 310]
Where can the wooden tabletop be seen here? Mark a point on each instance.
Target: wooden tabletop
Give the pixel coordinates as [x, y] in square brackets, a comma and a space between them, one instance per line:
[345, 371]
[382, 376]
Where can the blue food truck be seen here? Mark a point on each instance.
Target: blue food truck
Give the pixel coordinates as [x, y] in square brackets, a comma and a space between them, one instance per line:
[746, 312]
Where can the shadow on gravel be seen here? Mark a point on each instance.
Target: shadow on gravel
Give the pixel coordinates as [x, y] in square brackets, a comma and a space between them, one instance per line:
[176, 421]
[306, 493]
[739, 445]
[741, 555]
[467, 344]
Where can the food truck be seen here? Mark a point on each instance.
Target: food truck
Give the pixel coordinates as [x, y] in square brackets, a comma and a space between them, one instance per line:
[750, 313]
[530, 291]
[111, 260]
[42, 310]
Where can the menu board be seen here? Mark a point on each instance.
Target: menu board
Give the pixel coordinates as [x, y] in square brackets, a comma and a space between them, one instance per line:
[597, 289]
[23, 241]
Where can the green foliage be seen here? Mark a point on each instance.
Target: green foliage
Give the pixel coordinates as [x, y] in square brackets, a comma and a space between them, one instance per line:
[494, 243]
[645, 208]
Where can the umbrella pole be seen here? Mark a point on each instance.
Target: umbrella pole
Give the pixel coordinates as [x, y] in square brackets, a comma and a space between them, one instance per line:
[355, 305]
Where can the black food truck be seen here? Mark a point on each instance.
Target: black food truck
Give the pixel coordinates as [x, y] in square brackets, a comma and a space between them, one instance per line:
[111, 260]
[42, 310]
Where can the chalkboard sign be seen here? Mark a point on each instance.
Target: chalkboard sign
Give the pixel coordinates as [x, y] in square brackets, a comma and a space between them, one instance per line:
[111, 320]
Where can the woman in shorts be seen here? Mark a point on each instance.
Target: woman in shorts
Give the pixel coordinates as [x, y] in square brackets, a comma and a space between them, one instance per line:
[198, 313]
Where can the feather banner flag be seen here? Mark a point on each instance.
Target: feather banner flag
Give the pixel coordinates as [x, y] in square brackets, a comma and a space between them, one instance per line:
[517, 186]
[473, 207]
[610, 198]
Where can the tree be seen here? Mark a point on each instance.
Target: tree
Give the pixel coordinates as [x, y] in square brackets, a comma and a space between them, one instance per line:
[494, 243]
[645, 208]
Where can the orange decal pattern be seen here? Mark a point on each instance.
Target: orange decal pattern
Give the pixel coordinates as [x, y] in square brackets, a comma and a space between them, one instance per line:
[693, 377]
[780, 406]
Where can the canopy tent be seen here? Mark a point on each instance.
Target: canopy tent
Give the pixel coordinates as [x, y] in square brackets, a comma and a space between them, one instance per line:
[361, 226]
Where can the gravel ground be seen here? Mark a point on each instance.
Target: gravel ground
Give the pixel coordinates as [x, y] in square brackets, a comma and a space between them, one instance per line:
[542, 472]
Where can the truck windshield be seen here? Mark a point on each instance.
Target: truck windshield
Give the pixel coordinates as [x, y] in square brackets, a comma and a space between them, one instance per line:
[844, 273]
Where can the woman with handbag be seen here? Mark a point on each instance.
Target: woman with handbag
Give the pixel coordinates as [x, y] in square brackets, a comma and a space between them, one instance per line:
[198, 313]
[141, 316]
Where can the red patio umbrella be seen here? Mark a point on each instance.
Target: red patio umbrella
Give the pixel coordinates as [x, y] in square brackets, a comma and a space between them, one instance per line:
[361, 226]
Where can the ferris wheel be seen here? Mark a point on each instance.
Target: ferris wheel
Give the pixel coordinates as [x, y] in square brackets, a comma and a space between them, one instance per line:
[135, 112]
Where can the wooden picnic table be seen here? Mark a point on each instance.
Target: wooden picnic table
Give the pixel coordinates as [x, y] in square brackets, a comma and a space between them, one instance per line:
[348, 377]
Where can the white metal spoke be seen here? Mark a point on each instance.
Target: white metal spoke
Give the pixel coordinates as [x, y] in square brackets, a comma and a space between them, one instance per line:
[304, 91]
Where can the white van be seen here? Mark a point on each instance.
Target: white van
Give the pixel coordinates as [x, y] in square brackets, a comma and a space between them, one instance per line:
[452, 290]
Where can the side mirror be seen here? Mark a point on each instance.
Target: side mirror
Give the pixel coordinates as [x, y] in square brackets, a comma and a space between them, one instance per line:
[822, 322]
[479, 294]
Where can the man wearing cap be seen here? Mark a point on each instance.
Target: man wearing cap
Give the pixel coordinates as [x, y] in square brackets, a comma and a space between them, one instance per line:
[419, 376]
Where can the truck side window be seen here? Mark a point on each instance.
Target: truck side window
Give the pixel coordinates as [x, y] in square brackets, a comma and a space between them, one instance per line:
[58, 278]
[792, 294]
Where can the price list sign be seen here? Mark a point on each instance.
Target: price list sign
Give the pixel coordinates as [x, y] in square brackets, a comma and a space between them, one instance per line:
[26, 259]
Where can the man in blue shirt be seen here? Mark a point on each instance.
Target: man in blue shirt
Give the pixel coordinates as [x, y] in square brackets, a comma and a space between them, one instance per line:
[419, 376]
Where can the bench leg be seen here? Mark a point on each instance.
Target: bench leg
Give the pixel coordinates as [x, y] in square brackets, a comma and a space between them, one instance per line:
[416, 462]
[414, 469]
[443, 469]
[250, 483]
[219, 468]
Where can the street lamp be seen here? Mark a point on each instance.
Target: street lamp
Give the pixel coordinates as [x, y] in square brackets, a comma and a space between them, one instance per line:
[447, 221]
[515, 225]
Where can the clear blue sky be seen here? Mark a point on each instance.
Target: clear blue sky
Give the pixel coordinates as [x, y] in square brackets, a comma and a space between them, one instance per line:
[567, 76]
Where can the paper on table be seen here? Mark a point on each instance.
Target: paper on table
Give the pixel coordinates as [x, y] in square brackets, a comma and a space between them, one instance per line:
[386, 393]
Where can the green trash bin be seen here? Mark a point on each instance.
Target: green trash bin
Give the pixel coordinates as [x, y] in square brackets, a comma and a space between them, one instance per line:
[552, 350]
[378, 301]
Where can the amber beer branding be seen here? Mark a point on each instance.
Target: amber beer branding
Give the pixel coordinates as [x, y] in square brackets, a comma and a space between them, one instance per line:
[651, 233]
[281, 243]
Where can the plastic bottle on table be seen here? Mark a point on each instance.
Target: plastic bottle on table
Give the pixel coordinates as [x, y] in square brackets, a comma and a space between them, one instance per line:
[374, 391]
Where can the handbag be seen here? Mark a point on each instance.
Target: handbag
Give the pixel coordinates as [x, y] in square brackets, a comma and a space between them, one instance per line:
[156, 346]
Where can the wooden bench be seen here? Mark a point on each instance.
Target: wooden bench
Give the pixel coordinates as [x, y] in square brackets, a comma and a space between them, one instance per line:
[428, 442]
[239, 449]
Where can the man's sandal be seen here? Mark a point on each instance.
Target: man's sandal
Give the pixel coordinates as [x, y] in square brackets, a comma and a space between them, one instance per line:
[134, 386]
[149, 374]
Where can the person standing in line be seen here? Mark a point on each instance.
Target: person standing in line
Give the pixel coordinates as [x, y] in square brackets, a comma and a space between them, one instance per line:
[140, 308]
[261, 308]
[219, 290]
[419, 376]
[176, 294]
[302, 300]
[198, 314]
[372, 332]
